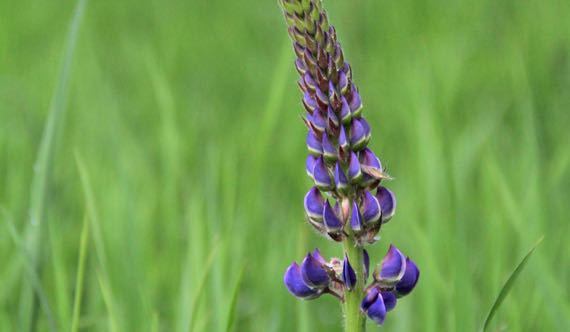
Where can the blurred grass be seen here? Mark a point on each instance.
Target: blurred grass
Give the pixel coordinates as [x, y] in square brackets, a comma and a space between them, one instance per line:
[186, 118]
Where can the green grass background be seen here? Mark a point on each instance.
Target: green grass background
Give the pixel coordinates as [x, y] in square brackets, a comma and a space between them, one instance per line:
[182, 152]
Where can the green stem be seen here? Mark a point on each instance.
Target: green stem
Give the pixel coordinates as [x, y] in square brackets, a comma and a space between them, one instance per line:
[354, 321]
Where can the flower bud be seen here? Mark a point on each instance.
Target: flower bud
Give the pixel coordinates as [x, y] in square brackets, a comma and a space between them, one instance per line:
[340, 179]
[309, 82]
[314, 144]
[342, 141]
[348, 274]
[345, 114]
[359, 134]
[356, 219]
[314, 204]
[321, 175]
[333, 223]
[322, 99]
[365, 263]
[354, 172]
[310, 165]
[329, 149]
[317, 121]
[370, 209]
[343, 84]
[300, 66]
[371, 167]
[387, 201]
[355, 103]
[309, 103]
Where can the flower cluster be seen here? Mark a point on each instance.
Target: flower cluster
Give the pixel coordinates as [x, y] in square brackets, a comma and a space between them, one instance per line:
[395, 277]
[347, 202]
[339, 161]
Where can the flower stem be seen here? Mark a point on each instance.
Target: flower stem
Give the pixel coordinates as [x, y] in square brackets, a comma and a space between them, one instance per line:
[354, 321]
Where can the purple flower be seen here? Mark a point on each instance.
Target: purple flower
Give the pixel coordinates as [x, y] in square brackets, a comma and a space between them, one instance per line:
[392, 267]
[296, 285]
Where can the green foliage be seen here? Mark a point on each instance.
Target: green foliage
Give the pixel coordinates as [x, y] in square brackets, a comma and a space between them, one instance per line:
[187, 119]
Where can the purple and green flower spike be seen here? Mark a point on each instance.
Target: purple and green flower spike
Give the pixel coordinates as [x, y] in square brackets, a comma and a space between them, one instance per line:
[347, 203]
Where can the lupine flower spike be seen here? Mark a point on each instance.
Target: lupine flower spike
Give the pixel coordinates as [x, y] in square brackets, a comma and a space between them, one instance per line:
[347, 203]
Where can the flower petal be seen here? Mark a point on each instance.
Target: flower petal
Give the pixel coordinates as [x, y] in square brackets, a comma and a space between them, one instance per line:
[332, 221]
[355, 102]
[329, 149]
[295, 284]
[377, 311]
[409, 280]
[354, 172]
[340, 179]
[345, 114]
[348, 274]
[309, 103]
[387, 201]
[389, 300]
[393, 266]
[368, 158]
[318, 121]
[313, 272]
[355, 219]
[310, 165]
[321, 174]
[358, 134]
[342, 140]
[370, 209]
[370, 298]
[314, 204]
[314, 144]
[332, 118]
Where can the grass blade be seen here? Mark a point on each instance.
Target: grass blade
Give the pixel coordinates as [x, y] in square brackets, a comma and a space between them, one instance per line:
[33, 277]
[509, 284]
[202, 285]
[34, 231]
[80, 276]
[233, 302]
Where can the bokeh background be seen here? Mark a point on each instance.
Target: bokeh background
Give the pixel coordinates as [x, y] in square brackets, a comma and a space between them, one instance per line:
[178, 152]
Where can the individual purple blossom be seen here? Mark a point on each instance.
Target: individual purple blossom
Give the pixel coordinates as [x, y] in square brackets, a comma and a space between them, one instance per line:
[296, 285]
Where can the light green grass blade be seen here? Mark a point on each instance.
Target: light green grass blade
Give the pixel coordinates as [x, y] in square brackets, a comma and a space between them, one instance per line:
[32, 276]
[80, 276]
[509, 284]
[109, 304]
[234, 299]
[202, 285]
[34, 232]
[92, 212]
